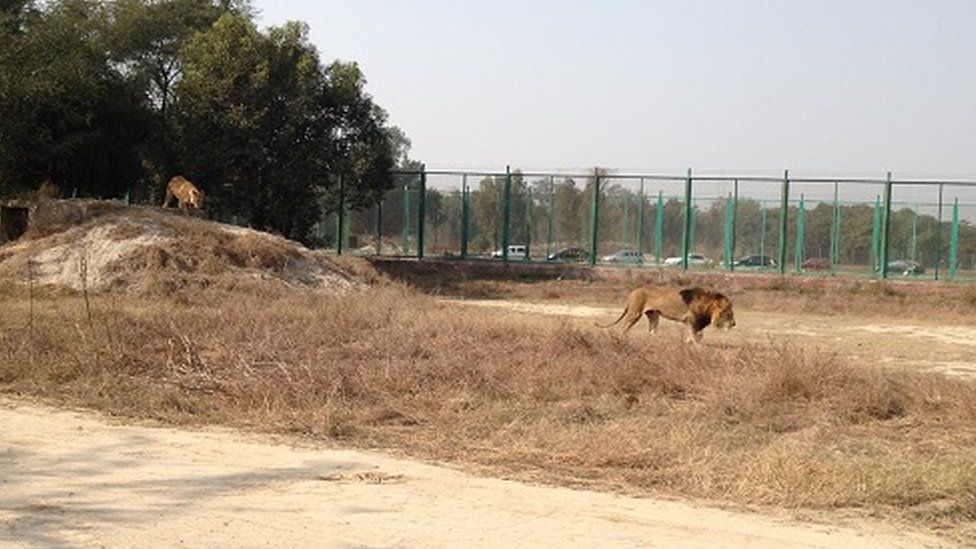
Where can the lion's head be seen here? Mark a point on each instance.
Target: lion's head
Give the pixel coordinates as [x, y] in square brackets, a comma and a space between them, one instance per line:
[196, 198]
[709, 308]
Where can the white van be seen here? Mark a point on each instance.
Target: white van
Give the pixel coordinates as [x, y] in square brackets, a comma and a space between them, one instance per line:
[515, 251]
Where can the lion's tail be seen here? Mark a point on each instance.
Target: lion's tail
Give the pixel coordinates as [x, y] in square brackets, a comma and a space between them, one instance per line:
[621, 317]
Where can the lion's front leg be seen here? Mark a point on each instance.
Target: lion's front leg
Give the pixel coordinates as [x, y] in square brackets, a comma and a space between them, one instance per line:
[693, 335]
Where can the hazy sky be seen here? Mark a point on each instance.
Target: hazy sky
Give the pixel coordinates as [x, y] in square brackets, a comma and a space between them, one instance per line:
[817, 86]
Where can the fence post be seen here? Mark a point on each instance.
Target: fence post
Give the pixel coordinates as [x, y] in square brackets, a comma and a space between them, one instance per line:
[954, 240]
[735, 220]
[801, 215]
[528, 221]
[835, 233]
[938, 236]
[886, 226]
[659, 228]
[686, 230]
[784, 221]
[640, 220]
[464, 216]
[875, 234]
[762, 234]
[405, 231]
[341, 217]
[379, 226]
[552, 194]
[422, 211]
[623, 223]
[506, 212]
[594, 217]
[914, 243]
[726, 243]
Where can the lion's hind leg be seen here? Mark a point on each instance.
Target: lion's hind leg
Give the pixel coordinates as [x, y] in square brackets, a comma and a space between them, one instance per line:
[631, 318]
[653, 317]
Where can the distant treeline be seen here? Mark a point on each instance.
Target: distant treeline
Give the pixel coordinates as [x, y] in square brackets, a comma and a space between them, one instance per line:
[108, 99]
[619, 206]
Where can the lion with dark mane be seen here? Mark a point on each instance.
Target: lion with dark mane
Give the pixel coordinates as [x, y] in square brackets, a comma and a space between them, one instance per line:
[695, 307]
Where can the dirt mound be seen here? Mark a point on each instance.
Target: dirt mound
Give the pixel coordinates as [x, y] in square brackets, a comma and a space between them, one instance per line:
[147, 250]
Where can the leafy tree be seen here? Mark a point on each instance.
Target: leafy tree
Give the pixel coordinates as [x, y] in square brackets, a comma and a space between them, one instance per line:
[65, 114]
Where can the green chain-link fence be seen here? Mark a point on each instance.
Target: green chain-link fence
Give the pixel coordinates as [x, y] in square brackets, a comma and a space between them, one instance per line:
[859, 227]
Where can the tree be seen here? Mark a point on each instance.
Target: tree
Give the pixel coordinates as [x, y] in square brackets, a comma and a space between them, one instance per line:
[65, 114]
[278, 129]
[107, 97]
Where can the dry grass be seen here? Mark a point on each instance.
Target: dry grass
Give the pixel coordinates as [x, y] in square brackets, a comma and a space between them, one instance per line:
[393, 368]
[853, 297]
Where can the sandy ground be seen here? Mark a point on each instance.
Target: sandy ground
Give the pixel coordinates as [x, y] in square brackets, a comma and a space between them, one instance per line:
[890, 342]
[74, 479]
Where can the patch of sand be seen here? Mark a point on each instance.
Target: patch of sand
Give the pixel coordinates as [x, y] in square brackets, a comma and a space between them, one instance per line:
[72, 479]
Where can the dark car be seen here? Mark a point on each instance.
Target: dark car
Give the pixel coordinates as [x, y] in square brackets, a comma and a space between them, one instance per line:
[755, 261]
[906, 267]
[568, 254]
[816, 264]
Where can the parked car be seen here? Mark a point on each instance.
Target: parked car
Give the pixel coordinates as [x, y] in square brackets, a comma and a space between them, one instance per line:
[624, 256]
[515, 251]
[816, 264]
[694, 260]
[755, 260]
[906, 267]
[568, 255]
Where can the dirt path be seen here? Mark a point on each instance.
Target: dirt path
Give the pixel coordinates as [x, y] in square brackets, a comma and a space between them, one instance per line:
[74, 479]
[926, 346]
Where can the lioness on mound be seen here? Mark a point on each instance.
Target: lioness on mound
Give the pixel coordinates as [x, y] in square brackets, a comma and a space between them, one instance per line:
[695, 307]
[186, 193]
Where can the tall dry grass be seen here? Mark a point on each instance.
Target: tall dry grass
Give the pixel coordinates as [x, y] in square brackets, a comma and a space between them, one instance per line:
[547, 398]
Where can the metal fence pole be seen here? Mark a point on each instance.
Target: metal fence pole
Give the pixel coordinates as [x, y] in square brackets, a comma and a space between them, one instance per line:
[506, 212]
[341, 217]
[784, 221]
[914, 242]
[801, 215]
[465, 216]
[875, 233]
[727, 241]
[835, 233]
[659, 228]
[886, 226]
[640, 220]
[552, 194]
[528, 221]
[694, 227]
[623, 223]
[422, 211]
[954, 240]
[938, 236]
[594, 217]
[762, 233]
[735, 220]
[379, 226]
[405, 231]
[686, 230]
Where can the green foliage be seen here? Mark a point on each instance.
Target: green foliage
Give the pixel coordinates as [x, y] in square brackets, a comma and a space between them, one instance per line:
[110, 97]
